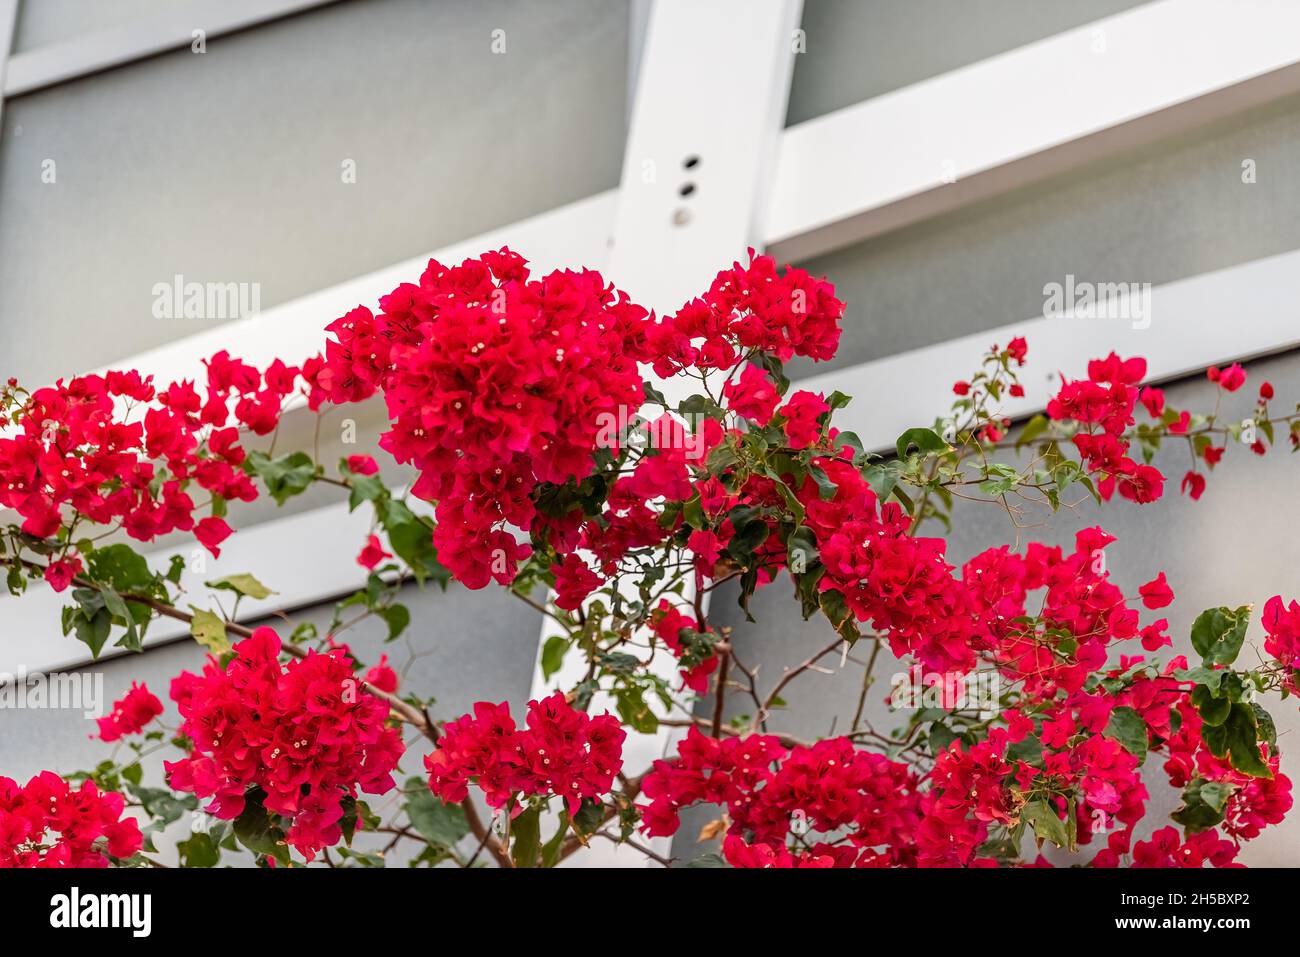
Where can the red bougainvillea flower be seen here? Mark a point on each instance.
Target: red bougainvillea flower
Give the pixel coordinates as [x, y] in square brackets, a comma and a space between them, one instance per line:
[562, 751]
[59, 573]
[1156, 593]
[675, 629]
[1193, 485]
[373, 553]
[211, 532]
[768, 792]
[801, 413]
[1230, 379]
[752, 395]
[1103, 404]
[494, 382]
[756, 307]
[382, 676]
[305, 733]
[130, 714]
[362, 465]
[1154, 400]
[574, 581]
[76, 446]
[1282, 637]
[49, 824]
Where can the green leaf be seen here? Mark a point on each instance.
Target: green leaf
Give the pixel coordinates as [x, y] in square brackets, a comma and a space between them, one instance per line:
[89, 618]
[1218, 633]
[1033, 428]
[411, 538]
[284, 477]
[365, 488]
[1029, 749]
[551, 849]
[526, 830]
[397, 617]
[635, 713]
[1203, 804]
[925, 440]
[941, 736]
[130, 640]
[708, 860]
[1127, 727]
[120, 566]
[841, 618]
[437, 823]
[1043, 818]
[256, 831]
[553, 652]
[1213, 710]
[1241, 737]
[242, 584]
[1201, 675]
[209, 631]
[198, 851]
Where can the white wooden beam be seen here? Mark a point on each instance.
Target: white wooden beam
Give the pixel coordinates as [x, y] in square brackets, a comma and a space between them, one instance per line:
[710, 104]
[571, 235]
[1033, 112]
[306, 558]
[169, 28]
[8, 24]
[1233, 314]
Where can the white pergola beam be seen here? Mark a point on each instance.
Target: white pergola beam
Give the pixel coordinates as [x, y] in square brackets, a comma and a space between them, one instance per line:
[700, 154]
[1233, 314]
[571, 235]
[31, 639]
[8, 24]
[169, 28]
[1033, 112]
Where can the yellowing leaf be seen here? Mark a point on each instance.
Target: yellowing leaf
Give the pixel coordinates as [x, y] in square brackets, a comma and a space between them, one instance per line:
[209, 631]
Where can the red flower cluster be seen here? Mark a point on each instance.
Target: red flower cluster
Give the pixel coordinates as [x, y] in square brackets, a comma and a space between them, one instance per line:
[562, 751]
[305, 733]
[904, 586]
[1105, 401]
[768, 791]
[968, 791]
[1282, 638]
[750, 308]
[494, 383]
[77, 449]
[1254, 803]
[129, 715]
[48, 824]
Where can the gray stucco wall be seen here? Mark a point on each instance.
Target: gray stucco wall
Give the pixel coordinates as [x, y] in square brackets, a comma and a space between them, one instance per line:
[227, 166]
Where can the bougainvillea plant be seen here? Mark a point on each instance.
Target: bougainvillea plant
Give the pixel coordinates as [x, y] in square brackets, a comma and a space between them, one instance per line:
[536, 413]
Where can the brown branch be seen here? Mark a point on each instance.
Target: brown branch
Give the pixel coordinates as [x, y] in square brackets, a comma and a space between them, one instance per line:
[794, 673]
